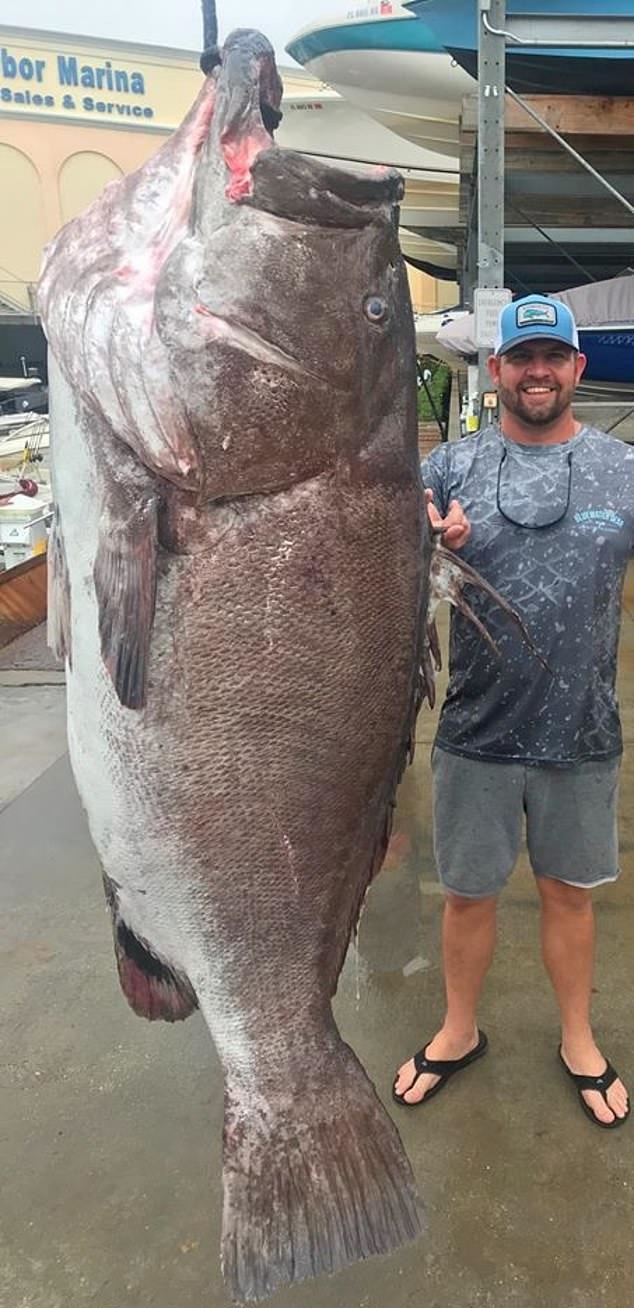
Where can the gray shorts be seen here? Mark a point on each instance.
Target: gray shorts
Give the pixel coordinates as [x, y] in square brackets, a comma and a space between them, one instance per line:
[479, 810]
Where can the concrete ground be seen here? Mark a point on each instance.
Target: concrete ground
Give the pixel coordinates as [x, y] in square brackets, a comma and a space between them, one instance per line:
[110, 1127]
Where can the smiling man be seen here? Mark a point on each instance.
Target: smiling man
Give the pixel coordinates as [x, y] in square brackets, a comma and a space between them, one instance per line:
[544, 508]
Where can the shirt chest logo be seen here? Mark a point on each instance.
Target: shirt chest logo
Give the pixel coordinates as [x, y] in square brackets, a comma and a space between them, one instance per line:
[606, 519]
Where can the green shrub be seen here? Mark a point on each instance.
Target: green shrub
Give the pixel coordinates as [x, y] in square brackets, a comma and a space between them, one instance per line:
[440, 386]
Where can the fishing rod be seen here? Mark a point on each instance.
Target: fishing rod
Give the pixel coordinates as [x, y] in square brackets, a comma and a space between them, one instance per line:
[210, 56]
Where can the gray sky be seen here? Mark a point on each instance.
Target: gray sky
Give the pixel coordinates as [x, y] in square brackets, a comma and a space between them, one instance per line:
[175, 23]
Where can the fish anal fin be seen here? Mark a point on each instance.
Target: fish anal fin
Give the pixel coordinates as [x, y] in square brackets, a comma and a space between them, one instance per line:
[153, 988]
[58, 599]
[125, 585]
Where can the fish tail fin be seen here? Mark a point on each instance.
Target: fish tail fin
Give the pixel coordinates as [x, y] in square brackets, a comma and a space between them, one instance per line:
[312, 1182]
[152, 988]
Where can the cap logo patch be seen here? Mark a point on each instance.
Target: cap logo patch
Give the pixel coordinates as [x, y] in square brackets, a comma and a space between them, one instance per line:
[530, 315]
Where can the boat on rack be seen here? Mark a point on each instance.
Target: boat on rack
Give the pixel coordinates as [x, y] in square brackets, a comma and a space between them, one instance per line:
[317, 120]
[385, 61]
[436, 258]
[533, 70]
[604, 312]
[609, 349]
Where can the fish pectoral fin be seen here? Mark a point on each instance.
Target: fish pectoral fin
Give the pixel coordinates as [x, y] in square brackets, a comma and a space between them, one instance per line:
[58, 599]
[125, 585]
[449, 573]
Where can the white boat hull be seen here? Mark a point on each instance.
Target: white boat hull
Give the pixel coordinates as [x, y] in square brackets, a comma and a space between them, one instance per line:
[414, 93]
[389, 64]
[423, 250]
[324, 123]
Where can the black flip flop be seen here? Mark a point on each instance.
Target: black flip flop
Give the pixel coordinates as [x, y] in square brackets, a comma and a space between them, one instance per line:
[444, 1068]
[602, 1085]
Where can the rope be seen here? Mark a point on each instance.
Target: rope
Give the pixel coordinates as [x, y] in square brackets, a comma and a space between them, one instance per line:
[210, 56]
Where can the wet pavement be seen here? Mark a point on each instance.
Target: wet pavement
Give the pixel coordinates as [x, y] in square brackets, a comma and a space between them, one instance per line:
[110, 1127]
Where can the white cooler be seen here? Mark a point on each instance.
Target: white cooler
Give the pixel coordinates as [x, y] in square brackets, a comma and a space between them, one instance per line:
[22, 528]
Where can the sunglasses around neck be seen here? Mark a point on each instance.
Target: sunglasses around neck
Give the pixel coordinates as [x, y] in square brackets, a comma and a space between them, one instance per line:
[541, 518]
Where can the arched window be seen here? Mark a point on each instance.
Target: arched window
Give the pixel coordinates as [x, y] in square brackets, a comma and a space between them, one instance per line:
[82, 177]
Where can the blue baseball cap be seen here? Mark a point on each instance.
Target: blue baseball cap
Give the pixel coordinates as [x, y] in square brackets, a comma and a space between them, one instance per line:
[535, 318]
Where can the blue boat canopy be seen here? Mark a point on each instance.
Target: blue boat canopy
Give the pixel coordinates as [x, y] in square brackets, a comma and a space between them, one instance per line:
[533, 69]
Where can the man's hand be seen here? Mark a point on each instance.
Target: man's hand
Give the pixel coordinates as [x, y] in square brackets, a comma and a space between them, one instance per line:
[455, 528]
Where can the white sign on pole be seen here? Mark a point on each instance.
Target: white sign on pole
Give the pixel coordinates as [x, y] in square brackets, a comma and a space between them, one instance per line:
[487, 304]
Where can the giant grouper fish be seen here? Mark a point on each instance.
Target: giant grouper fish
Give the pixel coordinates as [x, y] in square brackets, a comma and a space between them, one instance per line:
[239, 576]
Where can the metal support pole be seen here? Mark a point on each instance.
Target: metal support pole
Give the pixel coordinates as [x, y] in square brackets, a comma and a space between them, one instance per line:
[491, 84]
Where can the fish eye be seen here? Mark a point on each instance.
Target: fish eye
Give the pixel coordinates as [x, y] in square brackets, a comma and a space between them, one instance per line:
[375, 308]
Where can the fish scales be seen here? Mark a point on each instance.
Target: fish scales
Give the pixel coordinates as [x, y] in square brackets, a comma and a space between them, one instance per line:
[239, 583]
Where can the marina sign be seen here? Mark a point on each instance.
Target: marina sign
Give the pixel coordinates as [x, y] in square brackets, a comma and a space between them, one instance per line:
[44, 76]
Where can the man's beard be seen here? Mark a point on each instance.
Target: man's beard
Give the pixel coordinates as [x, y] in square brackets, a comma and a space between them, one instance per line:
[542, 415]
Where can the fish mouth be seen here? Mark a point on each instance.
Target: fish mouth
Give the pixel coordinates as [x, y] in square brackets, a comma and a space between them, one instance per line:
[283, 182]
[248, 113]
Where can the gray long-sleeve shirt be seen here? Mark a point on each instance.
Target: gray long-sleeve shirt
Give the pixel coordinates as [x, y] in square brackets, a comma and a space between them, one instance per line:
[565, 581]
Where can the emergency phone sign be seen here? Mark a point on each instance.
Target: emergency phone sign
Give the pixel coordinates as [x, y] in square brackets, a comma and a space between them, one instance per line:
[488, 304]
